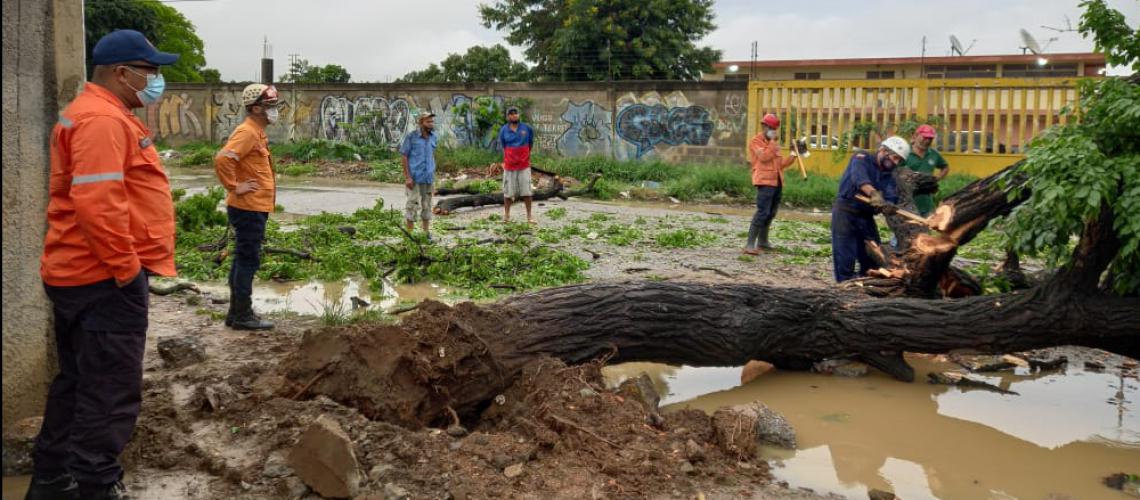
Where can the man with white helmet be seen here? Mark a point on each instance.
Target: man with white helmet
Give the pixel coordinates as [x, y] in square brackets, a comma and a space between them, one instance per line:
[852, 221]
[245, 168]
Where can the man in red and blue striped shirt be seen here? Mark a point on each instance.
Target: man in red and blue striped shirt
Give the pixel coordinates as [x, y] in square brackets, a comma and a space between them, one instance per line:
[517, 138]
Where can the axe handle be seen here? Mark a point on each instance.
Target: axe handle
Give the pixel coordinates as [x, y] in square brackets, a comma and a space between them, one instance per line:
[800, 160]
[910, 215]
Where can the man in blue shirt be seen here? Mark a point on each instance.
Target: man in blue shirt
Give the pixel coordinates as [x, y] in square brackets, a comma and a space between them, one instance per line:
[418, 152]
[853, 221]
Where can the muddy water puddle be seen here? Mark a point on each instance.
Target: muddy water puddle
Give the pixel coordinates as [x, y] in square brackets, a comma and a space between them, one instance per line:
[1058, 438]
[315, 298]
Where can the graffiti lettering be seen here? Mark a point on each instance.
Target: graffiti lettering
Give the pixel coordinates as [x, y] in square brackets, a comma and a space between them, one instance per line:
[647, 126]
[174, 117]
[366, 119]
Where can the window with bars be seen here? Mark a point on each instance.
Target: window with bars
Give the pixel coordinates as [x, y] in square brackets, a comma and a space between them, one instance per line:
[807, 76]
[880, 75]
[1035, 70]
[962, 71]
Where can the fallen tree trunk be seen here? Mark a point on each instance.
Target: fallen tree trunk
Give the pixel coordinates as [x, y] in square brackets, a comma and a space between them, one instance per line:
[557, 190]
[462, 358]
[729, 325]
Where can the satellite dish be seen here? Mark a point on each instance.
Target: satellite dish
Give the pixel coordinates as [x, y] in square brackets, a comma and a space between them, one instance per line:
[1030, 42]
[956, 46]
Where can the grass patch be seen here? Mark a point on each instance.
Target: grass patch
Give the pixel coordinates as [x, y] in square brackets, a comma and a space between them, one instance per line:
[450, 160]
[321, 149]
[707, 182]
[299, 169]
[390, 171]
[684, 238]
[556, 213]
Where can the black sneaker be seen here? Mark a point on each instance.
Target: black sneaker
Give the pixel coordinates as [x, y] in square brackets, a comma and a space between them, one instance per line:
[113, 491]
[61, 487]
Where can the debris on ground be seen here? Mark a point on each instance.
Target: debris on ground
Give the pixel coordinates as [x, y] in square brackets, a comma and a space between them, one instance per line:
[179, 352]
[18, 443]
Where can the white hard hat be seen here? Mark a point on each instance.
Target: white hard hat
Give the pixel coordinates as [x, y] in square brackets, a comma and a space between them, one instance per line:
[898, 145]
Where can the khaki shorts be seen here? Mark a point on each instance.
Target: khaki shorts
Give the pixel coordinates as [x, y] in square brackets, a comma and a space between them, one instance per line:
[516, 183]
[419, 200]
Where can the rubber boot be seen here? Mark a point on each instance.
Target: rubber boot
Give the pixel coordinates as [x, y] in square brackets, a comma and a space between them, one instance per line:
[763, 239]
[230, 313]
[244, 317]
[753, 234]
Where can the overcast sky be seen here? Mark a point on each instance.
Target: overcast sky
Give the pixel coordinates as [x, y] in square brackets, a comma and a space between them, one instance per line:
[379, 40]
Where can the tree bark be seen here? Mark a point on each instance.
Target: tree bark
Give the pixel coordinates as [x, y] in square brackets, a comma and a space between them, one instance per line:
[729, 325]
[921, 267]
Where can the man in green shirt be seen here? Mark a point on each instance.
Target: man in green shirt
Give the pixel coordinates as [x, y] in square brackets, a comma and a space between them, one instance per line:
[925, 159]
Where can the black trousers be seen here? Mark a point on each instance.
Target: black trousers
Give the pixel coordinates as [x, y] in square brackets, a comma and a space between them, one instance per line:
[94, 401]
[249, 232]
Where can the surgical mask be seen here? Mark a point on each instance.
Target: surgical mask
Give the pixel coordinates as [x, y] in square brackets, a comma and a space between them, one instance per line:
[771, 134]
[271, 115]
[155, 85]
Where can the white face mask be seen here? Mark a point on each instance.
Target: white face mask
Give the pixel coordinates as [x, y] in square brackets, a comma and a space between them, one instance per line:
[771, 134]
[271, 114]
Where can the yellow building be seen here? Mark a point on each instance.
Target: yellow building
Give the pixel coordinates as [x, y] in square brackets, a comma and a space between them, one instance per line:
[993, 66]
[986, 108]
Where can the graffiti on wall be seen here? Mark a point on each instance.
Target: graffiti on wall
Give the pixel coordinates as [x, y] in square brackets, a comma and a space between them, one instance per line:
[590, 131]
[227, 114]
[174, 116]
[732, 118]
[651, 120]
[366, 118]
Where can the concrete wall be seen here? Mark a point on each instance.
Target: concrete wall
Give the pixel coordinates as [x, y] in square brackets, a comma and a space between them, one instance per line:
[43, 69]
[672, 121]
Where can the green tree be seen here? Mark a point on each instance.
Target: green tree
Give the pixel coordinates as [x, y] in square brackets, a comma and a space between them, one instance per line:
[332, 73]
[608, 39]
[479, 64]
[211, 75]
[300, 71]
[1086, 175]
[163, 25]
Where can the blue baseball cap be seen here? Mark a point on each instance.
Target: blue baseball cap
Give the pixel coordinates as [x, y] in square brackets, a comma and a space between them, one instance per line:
[128, 45]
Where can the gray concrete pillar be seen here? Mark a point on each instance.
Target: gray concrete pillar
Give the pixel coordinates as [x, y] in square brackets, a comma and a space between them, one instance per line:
[43, 71]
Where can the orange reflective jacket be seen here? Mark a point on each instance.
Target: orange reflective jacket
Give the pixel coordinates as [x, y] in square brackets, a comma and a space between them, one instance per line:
[767, 166]
[246, 157]
[110, 212]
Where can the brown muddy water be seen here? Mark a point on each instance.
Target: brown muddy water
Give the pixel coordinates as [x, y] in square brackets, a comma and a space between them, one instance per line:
[315, 298]
[1058, 438]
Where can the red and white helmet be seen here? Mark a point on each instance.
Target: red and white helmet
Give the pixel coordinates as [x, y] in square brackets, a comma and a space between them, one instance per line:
[257, 93]
[771, 120]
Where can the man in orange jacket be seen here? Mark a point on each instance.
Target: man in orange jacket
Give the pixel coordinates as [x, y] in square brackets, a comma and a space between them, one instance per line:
[110, 222]
[245, 168]
[768, 177]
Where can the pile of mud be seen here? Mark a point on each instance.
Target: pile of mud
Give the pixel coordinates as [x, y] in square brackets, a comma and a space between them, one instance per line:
[520, 426]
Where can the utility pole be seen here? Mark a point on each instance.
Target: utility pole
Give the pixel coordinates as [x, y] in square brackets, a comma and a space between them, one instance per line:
[752, 64]
[922, 60]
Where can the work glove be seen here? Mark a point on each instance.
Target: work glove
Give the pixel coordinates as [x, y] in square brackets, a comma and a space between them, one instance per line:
[881, 204]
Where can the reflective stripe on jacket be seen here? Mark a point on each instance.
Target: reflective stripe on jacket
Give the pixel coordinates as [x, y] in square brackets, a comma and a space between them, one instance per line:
[110, 212]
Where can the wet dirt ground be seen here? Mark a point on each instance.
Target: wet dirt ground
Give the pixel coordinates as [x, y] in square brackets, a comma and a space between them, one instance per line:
[1055, 440]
